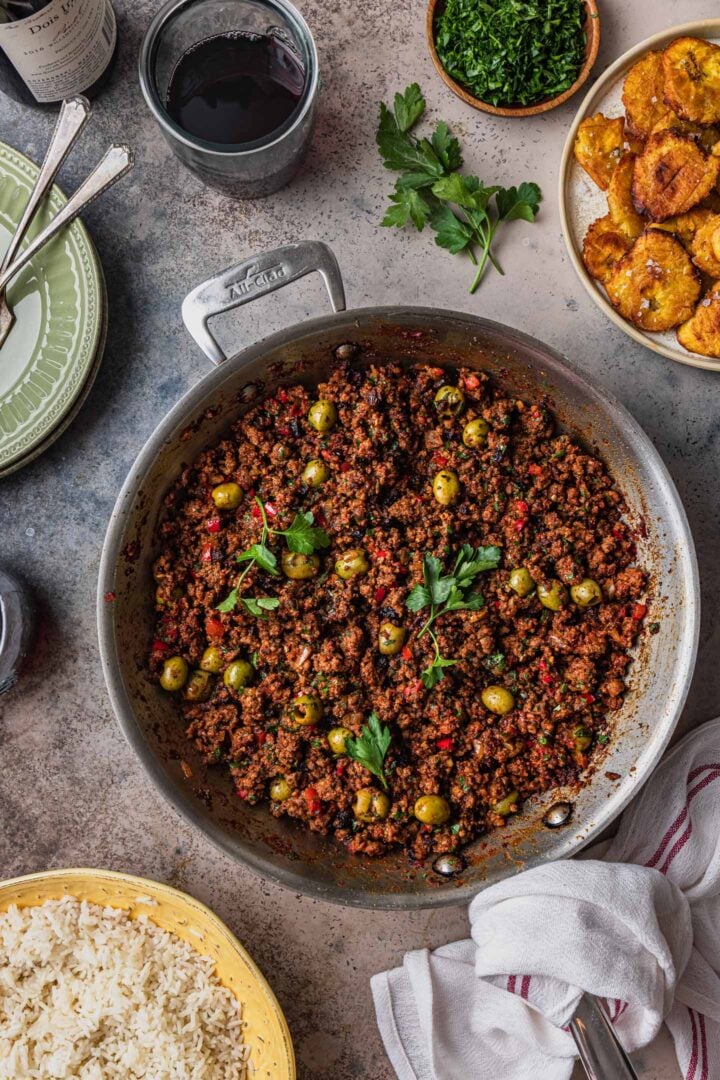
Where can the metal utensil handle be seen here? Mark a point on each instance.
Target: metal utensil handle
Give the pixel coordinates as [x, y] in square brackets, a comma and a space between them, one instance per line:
[16, 625]
[117, 161]
[255, 277]
[74, 115]
[601, 1052]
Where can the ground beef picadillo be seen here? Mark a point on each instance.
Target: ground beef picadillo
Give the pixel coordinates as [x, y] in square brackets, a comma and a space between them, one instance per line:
[548, 504]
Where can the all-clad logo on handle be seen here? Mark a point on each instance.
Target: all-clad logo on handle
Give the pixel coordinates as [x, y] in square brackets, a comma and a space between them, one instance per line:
[256, 279]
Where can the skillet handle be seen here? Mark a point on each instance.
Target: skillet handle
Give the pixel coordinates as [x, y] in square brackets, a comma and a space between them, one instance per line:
[255, 277]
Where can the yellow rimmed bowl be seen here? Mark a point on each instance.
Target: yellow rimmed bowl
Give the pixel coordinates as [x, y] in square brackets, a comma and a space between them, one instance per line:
[265, 1028]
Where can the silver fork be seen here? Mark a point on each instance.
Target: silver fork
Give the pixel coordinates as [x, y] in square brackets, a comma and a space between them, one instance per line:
[74, 115]
[115, 163]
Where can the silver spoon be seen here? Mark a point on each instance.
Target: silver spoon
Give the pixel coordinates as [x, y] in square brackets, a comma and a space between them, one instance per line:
[600, 1050]
[74, 115]
[117, 161]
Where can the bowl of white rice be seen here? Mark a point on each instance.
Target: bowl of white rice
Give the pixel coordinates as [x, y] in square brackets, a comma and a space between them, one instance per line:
[105, 976]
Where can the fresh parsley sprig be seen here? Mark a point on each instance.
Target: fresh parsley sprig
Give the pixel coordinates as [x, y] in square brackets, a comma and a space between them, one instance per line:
[443, 593]
[464, 214]
[303, 537]
[371, 746]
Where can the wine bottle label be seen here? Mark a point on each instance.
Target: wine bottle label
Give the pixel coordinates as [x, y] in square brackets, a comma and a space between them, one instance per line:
[63, 49]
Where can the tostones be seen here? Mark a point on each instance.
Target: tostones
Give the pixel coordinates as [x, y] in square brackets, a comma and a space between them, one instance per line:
[672, 175]
[619, 197]
[654, 285]
[603, 245]
[599, 145]
[701, 333]
[691, 70]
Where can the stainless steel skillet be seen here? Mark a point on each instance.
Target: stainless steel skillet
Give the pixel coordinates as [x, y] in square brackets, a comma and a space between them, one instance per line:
[661, 673]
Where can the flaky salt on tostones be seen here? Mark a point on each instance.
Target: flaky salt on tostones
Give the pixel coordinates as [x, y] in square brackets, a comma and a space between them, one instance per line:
[620, 204]
[701, 333]
[599, 145]
[644, 96]
[684, 226]
[603, 245]
[705, 246]
[691, 69]
[655, 285]
[672, 175]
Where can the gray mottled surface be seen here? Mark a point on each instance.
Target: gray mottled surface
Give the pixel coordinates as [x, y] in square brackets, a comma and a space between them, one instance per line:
[71, 792]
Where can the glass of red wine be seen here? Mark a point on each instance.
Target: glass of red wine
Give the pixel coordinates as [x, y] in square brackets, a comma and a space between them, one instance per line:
[233, 85]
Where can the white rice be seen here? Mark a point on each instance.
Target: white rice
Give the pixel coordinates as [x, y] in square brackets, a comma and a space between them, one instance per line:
[88, 992]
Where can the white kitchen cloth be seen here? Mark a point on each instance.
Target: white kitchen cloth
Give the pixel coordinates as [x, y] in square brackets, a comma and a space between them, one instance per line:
[638, 926]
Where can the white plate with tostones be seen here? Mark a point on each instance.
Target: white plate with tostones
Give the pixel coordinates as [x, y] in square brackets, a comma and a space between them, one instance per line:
[640, 193]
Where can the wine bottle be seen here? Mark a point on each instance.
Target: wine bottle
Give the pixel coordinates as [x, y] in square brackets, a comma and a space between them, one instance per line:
[53, 49]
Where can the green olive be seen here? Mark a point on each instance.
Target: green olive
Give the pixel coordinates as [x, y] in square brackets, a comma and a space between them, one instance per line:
[198, 686]
[315, 473]
[174, 673]
[212, 660]
[322, 416]
[587, 593]
[391, 638]
[505, 806]
[352, 564]
[432, 809]
[298, 567]
[306, 710]
[498, 700]
[521, 582]
[280, 790]
[336, 738]
[238, 674]
[475, 432]
[227, 496]
[553, 595]
[583, 739]
[449, 401]
[371, 805]
[446, 487]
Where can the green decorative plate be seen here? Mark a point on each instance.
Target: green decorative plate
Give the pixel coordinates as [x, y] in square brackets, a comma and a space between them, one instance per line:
[52, 352]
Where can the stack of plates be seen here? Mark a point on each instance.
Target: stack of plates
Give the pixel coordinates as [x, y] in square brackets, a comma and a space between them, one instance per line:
[49, 361]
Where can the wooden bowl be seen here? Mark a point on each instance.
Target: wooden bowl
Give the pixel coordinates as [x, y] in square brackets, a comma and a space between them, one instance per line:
[592, 44]
[266, 1030]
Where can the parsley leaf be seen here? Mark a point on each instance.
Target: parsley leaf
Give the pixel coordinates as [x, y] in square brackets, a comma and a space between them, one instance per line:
[370, 748]
[452, 233]
[408, 107]
[522, 202]
[263, 556]
[463, 213]
[446, 147]
[409, 205]
[443, 593]
[433, 673]
[258, 605]
[303, 536]
[228, 604]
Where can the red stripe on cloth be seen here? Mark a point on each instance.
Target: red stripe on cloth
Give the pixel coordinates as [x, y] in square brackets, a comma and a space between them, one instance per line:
[677, 847]
[511, 984]
[677, 823]
[701, 769]
[703, 1041]
[703, 784]
[525, 987]
[682, 816]
[692, 1064]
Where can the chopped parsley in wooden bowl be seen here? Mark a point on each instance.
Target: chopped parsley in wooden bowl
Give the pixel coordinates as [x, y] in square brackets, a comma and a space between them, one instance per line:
[513, 57]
